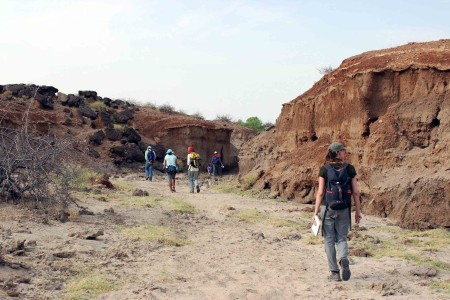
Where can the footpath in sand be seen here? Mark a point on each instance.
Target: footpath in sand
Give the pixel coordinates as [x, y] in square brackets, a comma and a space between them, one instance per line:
[207, 245]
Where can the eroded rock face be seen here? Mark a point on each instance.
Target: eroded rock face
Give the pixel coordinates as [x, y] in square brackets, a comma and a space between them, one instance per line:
[391, 108]
[178, 132]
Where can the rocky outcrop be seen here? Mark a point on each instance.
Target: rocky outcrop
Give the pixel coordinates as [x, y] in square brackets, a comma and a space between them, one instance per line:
[392, 110]
[114, 130]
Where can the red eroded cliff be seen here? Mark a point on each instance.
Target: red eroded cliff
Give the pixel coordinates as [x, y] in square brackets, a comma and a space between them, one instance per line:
[391, 108]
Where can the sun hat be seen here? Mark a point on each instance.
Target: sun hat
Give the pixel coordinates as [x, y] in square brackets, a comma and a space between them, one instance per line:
[169, 151]
[336, 147]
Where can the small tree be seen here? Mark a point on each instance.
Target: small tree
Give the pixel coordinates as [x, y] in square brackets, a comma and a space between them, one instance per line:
[255, 124]
[28, 165]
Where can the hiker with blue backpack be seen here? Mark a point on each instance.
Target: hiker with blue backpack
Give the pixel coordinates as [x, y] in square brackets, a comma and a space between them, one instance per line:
[217, 164]
[150, 157]
[171, 167]
[193, 162]
[337, 185]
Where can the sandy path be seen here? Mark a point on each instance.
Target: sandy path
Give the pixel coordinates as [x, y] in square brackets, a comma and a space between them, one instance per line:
[224, 259]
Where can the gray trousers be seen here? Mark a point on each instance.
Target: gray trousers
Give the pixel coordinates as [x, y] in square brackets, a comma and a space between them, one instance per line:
[336, 226]
[192, 179]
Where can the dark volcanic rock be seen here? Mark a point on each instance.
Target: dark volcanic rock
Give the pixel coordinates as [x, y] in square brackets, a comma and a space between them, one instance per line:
[131, 135]
[88, 94]
[122, 117]
[87, 111]
[97, 138]
[72, 101]
[45, 95]
[113, 134]
[92, 153]
[105, 116]
[48, 91]
[129, 153]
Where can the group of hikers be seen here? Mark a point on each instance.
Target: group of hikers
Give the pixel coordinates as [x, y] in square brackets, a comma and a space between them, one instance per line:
[336, 187]
[170, 166]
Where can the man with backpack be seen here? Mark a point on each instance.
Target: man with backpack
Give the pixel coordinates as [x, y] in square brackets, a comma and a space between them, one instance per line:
[217, 164]
[193, 162]
[337, 184]
[150, 157]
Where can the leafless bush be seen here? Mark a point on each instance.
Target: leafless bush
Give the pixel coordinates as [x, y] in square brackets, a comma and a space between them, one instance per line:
[198, 115]
[167, 108]
[149, 105]
[325, 70]
[28, 166]
[224, 118]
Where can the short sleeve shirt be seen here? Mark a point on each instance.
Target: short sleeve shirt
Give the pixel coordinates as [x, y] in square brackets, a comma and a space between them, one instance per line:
[350, 170]
[323, 173]
[171, 160]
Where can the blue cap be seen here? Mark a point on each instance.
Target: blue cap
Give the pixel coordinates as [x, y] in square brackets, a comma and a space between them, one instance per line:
[169, 151]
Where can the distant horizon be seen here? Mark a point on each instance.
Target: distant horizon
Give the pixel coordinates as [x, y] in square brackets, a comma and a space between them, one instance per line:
[237, 58]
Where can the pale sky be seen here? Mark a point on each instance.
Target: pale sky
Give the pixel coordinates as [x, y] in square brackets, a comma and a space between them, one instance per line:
[237, 58]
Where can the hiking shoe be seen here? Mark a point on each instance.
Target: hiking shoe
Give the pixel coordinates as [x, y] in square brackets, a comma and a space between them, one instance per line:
[198, 189]
[334, 276]
[345, 269]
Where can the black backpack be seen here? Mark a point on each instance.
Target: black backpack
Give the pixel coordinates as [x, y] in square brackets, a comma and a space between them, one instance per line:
[171, 170]
[195, 160]
[338, 190]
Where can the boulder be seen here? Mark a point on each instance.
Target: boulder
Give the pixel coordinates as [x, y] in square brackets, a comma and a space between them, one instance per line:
[105, 117]
[97, 138]
[113, 134]
[71, 100]
[92, 153]
[128, 153]
[131, 135]
[122, 117]
[88, 94]
[87, 111]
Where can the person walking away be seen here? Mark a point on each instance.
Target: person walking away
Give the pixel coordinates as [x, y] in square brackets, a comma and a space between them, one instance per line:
[217, 164]
[337, 184]
[150, 157]
[171, 167]
[193, 162]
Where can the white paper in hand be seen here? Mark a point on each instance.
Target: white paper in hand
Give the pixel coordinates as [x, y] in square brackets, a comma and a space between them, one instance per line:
[315, 227]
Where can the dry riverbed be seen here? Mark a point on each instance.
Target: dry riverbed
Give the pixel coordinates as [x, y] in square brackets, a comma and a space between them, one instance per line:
[207, 245]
